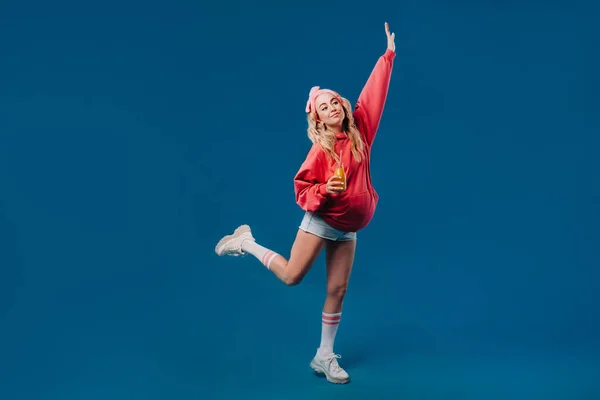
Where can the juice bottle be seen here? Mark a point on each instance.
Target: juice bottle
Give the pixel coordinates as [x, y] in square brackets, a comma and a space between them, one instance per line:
[339, 171]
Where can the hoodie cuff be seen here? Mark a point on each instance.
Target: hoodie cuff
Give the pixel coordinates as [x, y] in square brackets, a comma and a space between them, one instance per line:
[323, 190]
[389, 54]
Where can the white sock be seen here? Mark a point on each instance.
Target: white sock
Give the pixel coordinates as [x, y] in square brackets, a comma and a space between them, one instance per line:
[264, 255]
[329, 326]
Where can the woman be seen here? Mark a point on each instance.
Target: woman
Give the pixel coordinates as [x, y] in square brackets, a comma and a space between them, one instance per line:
[335, 210]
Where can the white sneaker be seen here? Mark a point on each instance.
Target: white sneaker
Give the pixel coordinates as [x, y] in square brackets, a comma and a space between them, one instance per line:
[329, 366]
[231, 245]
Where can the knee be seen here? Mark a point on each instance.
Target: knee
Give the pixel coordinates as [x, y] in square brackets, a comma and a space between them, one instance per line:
[292, 279]
[337, 291]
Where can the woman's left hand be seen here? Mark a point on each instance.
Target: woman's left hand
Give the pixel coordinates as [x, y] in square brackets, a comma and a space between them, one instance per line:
[390, 38]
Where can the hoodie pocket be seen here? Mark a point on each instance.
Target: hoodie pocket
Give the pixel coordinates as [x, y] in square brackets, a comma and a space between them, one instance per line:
[338, 206]
[359, 207]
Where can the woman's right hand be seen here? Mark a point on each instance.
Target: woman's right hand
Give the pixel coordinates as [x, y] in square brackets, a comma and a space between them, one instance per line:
[335, 185]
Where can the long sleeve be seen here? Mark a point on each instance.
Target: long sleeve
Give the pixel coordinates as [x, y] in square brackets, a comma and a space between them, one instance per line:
[310, 182]
[370, 103]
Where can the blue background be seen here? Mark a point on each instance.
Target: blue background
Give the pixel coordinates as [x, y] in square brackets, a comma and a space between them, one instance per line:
[133, 135]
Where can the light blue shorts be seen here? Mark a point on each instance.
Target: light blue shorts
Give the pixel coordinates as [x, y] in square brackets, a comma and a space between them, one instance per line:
[313, 223]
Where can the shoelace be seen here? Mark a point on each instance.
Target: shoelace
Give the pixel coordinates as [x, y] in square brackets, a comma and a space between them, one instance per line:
[332, 361]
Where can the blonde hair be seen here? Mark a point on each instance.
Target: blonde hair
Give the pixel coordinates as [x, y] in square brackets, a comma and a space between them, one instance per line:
[326, 139]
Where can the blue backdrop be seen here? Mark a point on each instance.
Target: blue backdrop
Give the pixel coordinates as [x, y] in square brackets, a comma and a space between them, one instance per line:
[133, 135]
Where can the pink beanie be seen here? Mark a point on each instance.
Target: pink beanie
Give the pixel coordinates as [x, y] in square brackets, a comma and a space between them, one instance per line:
[315, 92]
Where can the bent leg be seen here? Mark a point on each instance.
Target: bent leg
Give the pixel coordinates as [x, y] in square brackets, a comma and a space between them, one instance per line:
[304, 253]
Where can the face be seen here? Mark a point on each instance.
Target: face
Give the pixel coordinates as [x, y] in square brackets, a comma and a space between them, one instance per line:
[330, 110]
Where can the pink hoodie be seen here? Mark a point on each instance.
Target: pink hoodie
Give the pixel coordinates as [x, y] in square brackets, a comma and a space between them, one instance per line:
[353, 209]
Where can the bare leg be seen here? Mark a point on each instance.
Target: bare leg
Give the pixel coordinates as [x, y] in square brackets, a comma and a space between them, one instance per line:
[305, 251]
[339, 261]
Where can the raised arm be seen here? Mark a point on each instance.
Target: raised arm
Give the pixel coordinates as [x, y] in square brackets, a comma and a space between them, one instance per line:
[371, 102]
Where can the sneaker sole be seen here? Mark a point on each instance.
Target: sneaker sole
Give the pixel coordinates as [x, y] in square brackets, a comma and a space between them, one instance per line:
[329, 378]
[223, 242]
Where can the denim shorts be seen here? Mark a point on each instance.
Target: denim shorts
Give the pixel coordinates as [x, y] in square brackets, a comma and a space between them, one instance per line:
[312, 223]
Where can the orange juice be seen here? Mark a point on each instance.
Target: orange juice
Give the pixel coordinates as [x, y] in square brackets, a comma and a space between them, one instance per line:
[339, 171]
